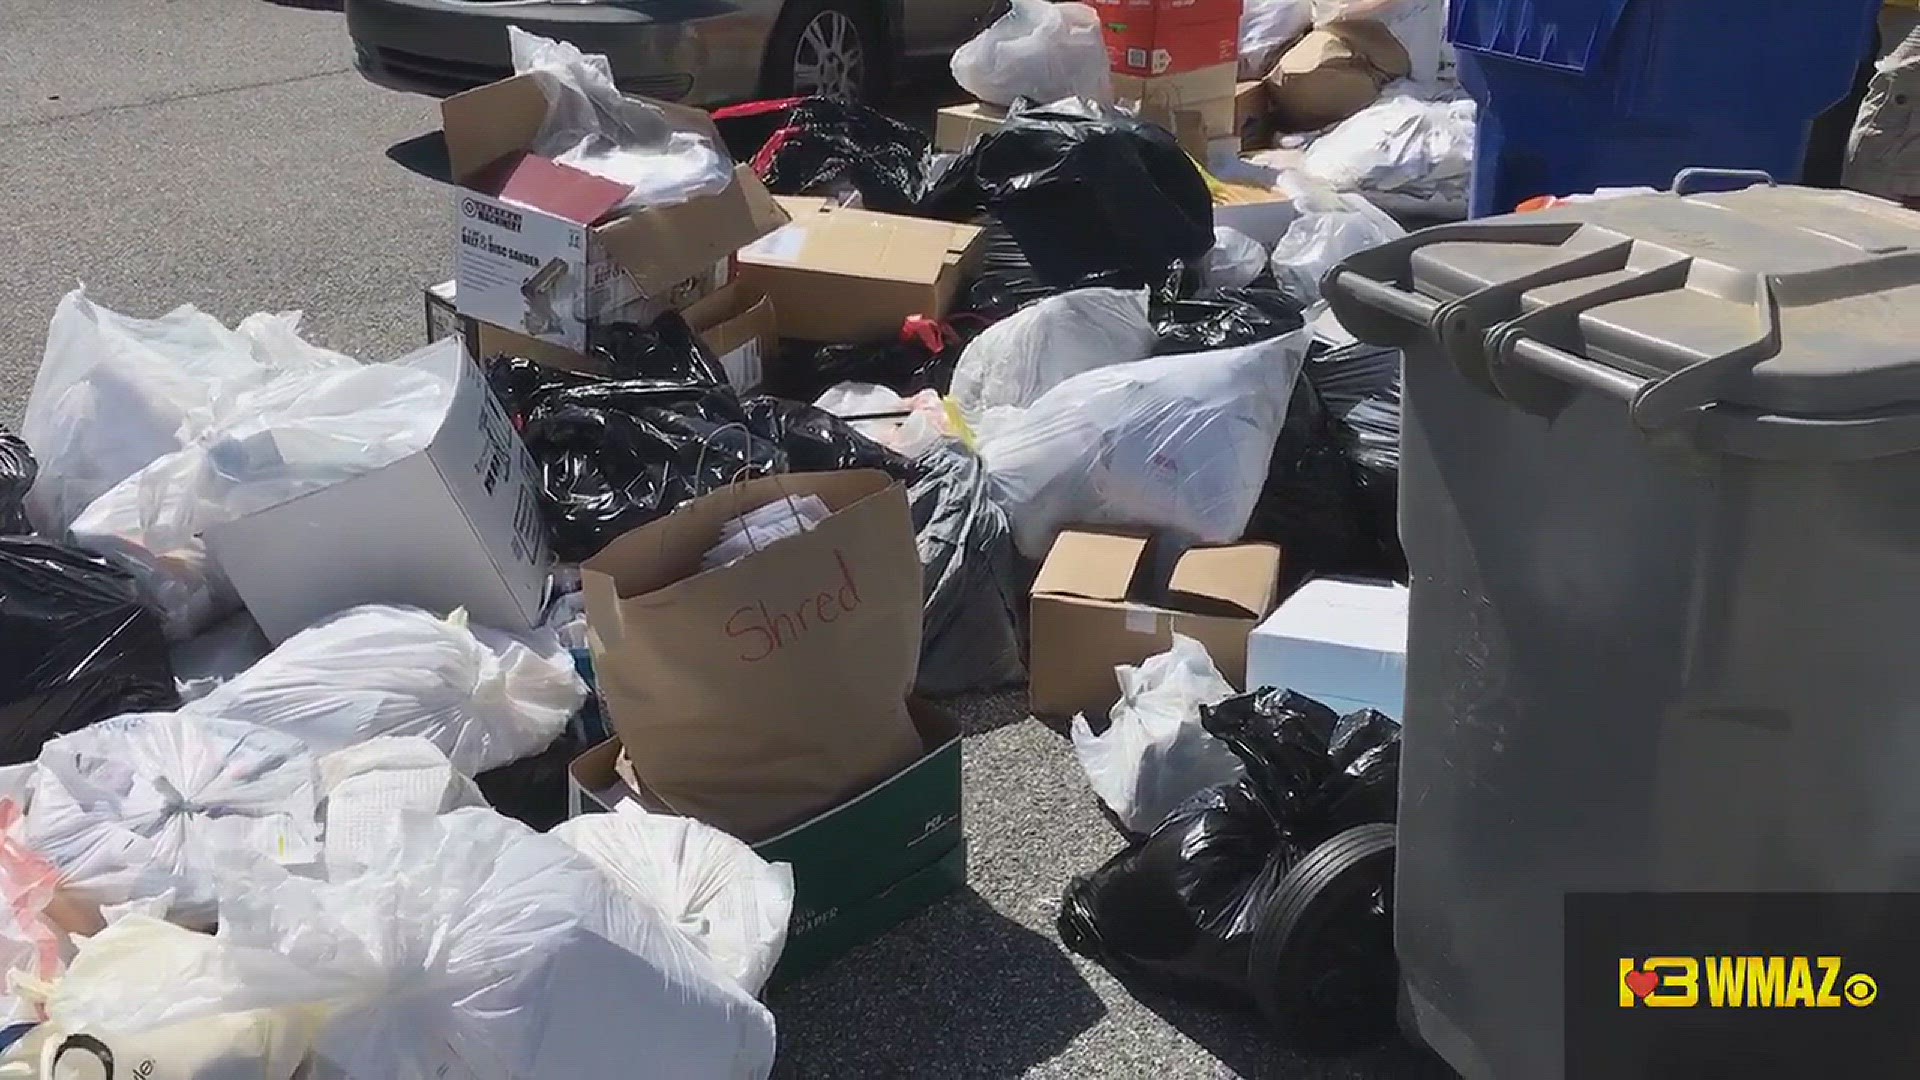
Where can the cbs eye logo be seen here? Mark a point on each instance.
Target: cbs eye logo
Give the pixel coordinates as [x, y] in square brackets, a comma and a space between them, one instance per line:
[1743, 982]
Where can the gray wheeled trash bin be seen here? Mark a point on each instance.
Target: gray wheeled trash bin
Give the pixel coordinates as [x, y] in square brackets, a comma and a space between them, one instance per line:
[1660, 493]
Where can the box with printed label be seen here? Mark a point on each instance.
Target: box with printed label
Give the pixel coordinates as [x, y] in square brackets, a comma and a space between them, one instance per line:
[544, 250]
[456, 525]
[859, 868]
[485, 339]
[853, 276]
[443, 313]
[1101, 601]
[1163, 38]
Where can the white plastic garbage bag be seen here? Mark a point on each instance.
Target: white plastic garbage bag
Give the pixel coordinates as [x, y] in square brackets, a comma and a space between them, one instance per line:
[293, 435]
[1330, 226]
[731, 903]
[32, 946]
[132, 807]
[592, 126]
[472, 948]
[364, 788]
[144, 955]
[1267, 27]
[483, 697]
[1235, 261]
[1179, 443]
[1030, 352]
[114, 393]
[1155, 754]
[1040, 50]
[1419, 25]
[918, 423]
[1405, 144]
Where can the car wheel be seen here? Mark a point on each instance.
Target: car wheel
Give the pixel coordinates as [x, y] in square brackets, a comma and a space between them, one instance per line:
[829, 48]
[1322, 966]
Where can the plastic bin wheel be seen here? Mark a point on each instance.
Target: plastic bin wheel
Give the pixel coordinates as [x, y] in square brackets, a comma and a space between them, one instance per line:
[1322, 967]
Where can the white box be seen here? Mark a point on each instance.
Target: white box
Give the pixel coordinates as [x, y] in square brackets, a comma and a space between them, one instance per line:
[455, 525]
[537, 274]
[1339, 641]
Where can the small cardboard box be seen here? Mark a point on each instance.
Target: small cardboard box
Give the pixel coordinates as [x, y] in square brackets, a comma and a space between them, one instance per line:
[1340, 641]
[1099, 603]
[859, 868]
[841, 275]
[1144, 48]
[484, 339]
[551, 273]
[955, 127]
[739, 324]
[1198, 106]
[456, 525]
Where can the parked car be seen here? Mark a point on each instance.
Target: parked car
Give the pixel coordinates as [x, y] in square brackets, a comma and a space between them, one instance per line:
[703, 52]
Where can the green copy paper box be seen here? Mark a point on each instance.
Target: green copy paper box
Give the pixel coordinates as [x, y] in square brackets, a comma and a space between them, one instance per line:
[858, 869]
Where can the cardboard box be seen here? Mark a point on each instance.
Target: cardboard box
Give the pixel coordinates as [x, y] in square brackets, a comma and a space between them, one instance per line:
[485, 339]
[1198, 106]
[1252, 119]
[842, 275]
[1340, 641]
[739, 324]
[456, 525]
[443, 313]
[1099, 603]
[1265, 215]
[859, 868]
[1144, 48]
[538, 252]
[955, 127]
[1333, 73]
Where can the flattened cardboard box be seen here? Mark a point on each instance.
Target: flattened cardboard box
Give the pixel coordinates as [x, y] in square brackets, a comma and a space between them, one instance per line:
[510, 257]
[859, 868]
[841, 275]
[1096, 605]
[455, 525]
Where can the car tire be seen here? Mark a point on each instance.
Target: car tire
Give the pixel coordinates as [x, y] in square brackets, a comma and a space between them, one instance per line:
[1323, 989]
[839, 42]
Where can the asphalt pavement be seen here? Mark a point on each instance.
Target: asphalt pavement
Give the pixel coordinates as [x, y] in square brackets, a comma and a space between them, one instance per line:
[223, 153]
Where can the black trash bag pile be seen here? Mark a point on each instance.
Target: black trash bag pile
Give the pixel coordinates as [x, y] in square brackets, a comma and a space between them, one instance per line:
[616, 453]
[920, 358]
[1180, 912]
[1085, 198]
[1311, 504]
[826, 144]
[1361, 386]
[1223, 319]
[969, 637]
[79, 646]
[17, 473]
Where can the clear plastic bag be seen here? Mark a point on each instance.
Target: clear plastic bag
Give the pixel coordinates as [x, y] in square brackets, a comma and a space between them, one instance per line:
[472, 948]
[1023, 356]
[1155, 755]
[1179, 443]
[1331, 226]
[483, 697]
[1404, 144]
[1236, 261]
[289, 437]
[146, 804]
[590, 125]
[729, 902]
[1267, 27]
[1040, 50]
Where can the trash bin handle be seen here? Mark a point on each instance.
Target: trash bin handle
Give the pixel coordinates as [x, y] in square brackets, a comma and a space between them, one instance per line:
[1684, 182]
[1577, 370]
[1407, 306]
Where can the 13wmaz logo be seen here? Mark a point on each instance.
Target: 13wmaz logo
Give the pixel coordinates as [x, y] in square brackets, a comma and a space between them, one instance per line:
[1743, 982]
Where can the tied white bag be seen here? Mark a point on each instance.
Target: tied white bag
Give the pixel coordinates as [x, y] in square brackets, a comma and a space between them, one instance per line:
[1040, 50]
[1235, 261]
[590, 125]
[472, 947]
[141, 804]
[365, 787]
[1178, 443]
[1155, 754]
[1331, 226]
[483, 697]
[729, 902]
[1037, 348]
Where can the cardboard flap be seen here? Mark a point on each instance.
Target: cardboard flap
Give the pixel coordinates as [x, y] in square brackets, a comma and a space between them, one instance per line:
[1237, 579]
[731, 302]
[1096, 566]
[864, 244]
[664, 246]
[560, 190]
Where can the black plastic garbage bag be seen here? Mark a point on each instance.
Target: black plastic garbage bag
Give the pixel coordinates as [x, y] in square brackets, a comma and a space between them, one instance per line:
[970, 638]
[666, 350]
[1223, 319]
[826, 143]
[818, 441]
[17, 473]
[1179, 912]
[1084, 195]
[1311, 503]
[78, 645]
[920, 358]
[1361, 386]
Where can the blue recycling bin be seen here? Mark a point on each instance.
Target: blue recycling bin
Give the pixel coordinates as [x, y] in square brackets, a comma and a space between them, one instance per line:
[1580, 94]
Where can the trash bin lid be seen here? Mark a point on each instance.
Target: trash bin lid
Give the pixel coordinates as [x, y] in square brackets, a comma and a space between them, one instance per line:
[1570, 35]
[1795, 306]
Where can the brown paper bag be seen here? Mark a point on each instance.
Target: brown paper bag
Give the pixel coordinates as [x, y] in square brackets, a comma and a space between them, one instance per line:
[755, 695]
